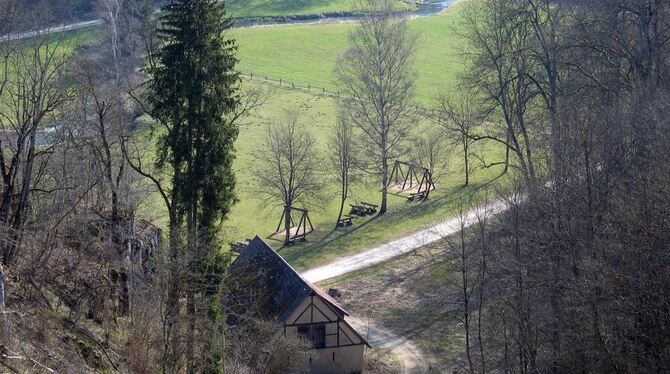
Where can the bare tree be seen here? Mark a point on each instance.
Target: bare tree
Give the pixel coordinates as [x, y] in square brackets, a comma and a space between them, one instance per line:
[342, 156]
[288, 166]
[110, 10]
[460, 115]
[430, 150]
[32, 95]
[126, 24]
[103, 124]
[377, 73]
[462, 257]
[501, 66]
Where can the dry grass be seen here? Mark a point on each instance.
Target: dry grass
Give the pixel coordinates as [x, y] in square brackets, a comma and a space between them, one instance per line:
[412, 297]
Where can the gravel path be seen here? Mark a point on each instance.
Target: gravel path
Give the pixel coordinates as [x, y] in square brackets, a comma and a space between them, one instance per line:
[398, 247]
[402, 348]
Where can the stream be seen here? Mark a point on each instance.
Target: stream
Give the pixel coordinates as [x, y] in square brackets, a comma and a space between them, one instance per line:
[428, 8]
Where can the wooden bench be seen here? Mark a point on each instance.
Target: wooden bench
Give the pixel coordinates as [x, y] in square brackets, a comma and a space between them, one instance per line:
[346, 221]
[417, 196]
[238, 246]
[371, 208]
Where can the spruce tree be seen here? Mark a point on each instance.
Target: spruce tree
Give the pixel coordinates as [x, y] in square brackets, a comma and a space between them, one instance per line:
[193, 94]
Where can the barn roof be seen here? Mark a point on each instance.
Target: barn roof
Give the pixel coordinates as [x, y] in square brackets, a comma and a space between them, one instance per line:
[283, 289]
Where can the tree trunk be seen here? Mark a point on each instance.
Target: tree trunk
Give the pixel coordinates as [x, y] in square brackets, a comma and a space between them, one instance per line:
[385, 171]
[343, 199]
[466, 297]
[190, 343]
[2, 287]
[22, 205]
[287, 224]
[466, 160]
[170, 330]
[506, 169]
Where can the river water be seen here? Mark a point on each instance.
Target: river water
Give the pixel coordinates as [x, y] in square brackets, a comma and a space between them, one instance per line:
[428, 8]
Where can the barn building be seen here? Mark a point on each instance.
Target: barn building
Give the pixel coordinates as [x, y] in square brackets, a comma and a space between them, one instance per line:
[301, 308]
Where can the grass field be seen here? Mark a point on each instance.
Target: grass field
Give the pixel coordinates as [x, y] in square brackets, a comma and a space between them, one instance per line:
[318, 115]
[273, 8]
[306, 54]
[252, 215]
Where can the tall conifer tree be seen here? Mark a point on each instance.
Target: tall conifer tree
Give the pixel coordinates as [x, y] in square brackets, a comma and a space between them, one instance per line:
[193, 93]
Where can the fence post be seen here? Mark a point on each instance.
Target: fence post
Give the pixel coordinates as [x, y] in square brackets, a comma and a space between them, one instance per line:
[309, 87]
[280, 82]
[293, 85]
[252, 76]
[324, 90]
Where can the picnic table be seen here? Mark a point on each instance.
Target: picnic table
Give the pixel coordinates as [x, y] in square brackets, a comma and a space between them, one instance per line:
[358, 210]
[417, 195]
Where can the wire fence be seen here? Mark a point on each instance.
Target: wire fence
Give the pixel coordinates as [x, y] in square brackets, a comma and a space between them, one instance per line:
[283, 83]
[316, 90]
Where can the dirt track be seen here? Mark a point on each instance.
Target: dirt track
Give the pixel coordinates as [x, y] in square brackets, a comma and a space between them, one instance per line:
[409, 356]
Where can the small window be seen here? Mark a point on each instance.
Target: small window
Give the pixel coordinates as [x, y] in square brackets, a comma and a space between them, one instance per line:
[316, 334]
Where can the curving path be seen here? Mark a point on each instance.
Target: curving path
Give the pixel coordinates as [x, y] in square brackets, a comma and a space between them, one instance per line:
[401, 246]
[410, 357]
[406, 352]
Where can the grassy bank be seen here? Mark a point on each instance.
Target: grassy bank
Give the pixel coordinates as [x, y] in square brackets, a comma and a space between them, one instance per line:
[253, 215]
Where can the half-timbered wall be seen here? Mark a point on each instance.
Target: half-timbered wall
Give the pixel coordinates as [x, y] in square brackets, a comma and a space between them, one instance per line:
[343, 351]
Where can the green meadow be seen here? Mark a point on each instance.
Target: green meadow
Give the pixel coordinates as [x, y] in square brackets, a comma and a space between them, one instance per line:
[254, 215]
[306, 55]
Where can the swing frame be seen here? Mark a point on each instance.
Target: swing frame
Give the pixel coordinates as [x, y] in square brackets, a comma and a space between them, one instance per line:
[410, 180]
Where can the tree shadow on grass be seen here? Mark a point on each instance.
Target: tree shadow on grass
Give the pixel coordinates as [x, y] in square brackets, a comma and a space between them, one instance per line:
[307, 253]
[313, 249]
